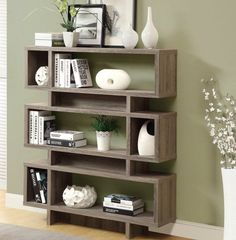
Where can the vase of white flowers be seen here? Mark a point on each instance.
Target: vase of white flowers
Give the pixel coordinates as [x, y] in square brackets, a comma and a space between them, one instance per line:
[221, 121]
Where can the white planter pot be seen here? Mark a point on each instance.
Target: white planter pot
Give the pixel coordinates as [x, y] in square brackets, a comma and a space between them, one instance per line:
[103, 141]
[71, 38]
[113, 79]
[146, 139]
[229, 180]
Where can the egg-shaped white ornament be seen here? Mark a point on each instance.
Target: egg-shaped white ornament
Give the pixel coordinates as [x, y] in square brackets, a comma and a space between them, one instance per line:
[41, 76]
[113, 79]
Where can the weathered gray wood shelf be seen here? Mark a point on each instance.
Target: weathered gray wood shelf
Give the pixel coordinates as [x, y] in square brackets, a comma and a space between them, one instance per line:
[125, 164]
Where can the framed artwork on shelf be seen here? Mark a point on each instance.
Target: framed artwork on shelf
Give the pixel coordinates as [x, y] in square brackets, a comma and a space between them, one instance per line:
[90, 24]
[121, 13]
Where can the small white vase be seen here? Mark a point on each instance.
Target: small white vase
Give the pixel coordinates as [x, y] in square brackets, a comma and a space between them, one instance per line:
[146, 139]
[149, 34]
[103, 141]
[113, 79]
[229, 180]
[129, 38]
[70, 39]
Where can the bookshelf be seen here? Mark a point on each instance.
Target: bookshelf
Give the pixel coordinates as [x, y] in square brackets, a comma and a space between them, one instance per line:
[125, 165]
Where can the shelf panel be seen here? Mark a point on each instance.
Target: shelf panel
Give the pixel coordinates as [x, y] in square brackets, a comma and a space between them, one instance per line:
[87, 150]
[35, 204]
[41, 164]
[144, 219]
[43, 106]
[151, 114]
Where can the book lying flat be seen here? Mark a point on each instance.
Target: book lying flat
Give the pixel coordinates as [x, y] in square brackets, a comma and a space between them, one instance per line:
[123, 212]
[65, 143]
[123, 199]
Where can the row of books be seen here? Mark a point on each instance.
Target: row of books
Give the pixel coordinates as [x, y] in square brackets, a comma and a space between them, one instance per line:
[123, 204]
[72, 139]
[41, 123]
[49, 39]
[39, 184]
[71, 73]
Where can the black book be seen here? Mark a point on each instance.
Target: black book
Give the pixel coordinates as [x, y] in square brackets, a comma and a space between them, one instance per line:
[66, 143]
[36, 192]
[41, 176]
[123, 212]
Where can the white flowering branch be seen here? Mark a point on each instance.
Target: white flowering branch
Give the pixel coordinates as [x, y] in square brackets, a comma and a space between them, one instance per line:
[221, 121]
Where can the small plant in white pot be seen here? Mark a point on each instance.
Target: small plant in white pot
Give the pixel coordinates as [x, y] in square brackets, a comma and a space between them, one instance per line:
[104, 127]
[68, 14]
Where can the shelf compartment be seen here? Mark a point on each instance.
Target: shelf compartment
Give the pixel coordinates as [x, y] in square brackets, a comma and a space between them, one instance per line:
[164, 132]
[88, 101]
[81, 220]
[29, 198]
[35, 59]
[91, 165]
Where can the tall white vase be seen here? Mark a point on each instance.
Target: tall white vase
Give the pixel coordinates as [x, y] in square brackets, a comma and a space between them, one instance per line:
[229, 180]
[149, 34]
[129, 38]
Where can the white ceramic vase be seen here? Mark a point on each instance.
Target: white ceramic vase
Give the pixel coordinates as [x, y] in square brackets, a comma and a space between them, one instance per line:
[103, 141]
[149, 34]
[146, 139]
[70, 39]
[129, 38]
[113, 79]
[229, 180]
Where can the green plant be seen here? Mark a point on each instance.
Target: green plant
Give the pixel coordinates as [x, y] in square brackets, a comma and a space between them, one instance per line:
[105, 124]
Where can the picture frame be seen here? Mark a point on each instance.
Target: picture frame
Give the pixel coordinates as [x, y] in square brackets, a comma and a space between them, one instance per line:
[90, 24]
[121, 13]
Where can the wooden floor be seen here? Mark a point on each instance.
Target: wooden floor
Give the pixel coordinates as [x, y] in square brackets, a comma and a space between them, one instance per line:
[38, 221]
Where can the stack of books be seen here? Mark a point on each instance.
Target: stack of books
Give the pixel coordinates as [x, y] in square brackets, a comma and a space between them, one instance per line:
[39, 184]
[71, 73]
[49, 39]
[65, 138]
[123, 204]
[41, 123]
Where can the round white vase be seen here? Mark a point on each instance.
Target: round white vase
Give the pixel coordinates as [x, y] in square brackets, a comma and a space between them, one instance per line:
[229, 180]
[103, 140]
[113, 79]
[129, 38]
[146, 139]
[70, 39]
[149, 34]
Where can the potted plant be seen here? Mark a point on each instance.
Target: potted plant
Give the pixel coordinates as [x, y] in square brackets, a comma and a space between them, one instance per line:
[70, 37]
[104, 126]
[221, 121]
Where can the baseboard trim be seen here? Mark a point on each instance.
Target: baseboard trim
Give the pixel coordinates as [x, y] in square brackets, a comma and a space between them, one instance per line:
[16, 201]
[3, 185]
[180, 228]
[191, 230]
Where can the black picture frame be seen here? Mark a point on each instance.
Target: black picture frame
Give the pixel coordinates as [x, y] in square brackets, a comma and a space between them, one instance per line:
[92, 34]
[128, 16]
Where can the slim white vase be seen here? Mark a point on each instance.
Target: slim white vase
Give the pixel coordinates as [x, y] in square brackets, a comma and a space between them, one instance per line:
[149, 34]
[70, 38]
[146, 139]
[229, 180]
[129, 38]
[103, 140]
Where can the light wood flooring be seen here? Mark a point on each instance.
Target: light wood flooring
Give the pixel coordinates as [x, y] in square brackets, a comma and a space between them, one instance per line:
[38, 221]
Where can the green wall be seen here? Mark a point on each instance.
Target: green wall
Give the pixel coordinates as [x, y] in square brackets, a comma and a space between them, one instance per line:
[203, 32]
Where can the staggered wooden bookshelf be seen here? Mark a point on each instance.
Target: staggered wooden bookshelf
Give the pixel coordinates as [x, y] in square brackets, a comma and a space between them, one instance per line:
[124, 164]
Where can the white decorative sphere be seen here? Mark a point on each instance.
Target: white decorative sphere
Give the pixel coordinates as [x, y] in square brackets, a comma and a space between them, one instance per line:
[113, 79]
[79, 197]
[41, 76]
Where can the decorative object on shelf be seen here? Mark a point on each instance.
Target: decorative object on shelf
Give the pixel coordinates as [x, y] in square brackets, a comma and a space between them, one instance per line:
[104, 126]
[120, 13]
[49, 39]
[41, 76]
[146, 139]
[68, 15]
[221, 121]
[91, 23]
[113, 79]
[79, 197]
[149, 34]
[129, 38]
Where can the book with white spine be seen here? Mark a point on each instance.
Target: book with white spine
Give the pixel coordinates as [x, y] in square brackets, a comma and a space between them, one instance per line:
[67, 135]
[67, 73]
[49, 36]
[122, 206]
[57, 58]
[31, 127]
